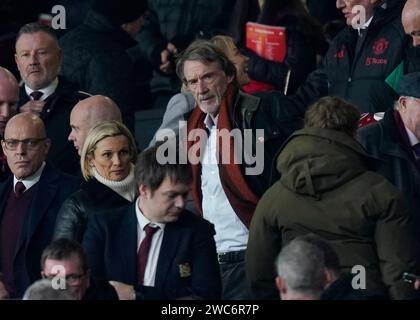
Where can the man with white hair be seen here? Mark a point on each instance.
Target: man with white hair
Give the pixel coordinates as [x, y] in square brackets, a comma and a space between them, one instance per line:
[396, 141]
[301, 271]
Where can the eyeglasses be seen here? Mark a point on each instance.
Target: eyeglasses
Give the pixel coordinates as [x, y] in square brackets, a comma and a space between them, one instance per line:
[12, 144]
[70, 278]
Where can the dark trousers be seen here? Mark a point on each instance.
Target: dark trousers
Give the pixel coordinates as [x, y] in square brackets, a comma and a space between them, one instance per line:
[234, 283]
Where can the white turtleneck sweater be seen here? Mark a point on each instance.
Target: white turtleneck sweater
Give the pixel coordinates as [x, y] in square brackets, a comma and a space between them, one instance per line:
[126, 188]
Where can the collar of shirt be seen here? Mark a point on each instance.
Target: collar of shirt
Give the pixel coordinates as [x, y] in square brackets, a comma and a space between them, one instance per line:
[411, 137]
[31, 180]
[210, 122]
[142, 220]
[47, 91]
[365, 25]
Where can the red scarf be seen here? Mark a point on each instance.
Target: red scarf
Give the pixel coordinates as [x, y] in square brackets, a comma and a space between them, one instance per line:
[242, 199]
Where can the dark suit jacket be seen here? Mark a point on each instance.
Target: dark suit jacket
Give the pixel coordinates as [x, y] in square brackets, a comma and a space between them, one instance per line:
[56, 117]
[383, 141]
[37, 229]
[111, 246]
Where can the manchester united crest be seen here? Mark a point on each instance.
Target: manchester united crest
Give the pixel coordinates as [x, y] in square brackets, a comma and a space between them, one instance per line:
[380, 46]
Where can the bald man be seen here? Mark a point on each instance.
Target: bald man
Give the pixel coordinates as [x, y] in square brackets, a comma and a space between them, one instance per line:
[9, 96]
[29, 201]
[411, 20]
[88, 113]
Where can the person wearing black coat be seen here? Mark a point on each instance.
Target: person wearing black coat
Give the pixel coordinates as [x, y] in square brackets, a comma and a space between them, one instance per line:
[360, 63]
[95, 54]
[394, 140]
[56, 115]
[38, 58]
[303, 42]
[107, 166]
[171, 26]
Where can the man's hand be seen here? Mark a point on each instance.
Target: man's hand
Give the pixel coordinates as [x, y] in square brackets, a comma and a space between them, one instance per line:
[165, 57]
[3, 292]
[33, 107]
[417, 284]
[124, 291]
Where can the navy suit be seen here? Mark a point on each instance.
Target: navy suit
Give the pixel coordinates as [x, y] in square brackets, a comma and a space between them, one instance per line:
[111, 245]
[38, 226]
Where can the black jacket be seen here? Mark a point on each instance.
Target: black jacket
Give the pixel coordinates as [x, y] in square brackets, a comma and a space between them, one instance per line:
[179, 22]
[264, 112]
[96, 59]
[300, 58]
[36, 232]
[56, 117]
[92, 197]
[383, 140]
[356, 69]
[187, 263]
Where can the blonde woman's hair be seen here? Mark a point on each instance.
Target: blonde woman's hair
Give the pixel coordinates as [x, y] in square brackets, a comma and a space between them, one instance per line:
[98, 133]
[224, 43]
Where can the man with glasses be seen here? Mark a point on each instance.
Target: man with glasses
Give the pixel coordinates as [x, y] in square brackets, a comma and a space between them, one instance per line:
[396, 141]
[65, 260]
[29, 201]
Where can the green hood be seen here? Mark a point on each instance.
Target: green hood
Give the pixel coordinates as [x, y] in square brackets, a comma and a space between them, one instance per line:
[314, 161]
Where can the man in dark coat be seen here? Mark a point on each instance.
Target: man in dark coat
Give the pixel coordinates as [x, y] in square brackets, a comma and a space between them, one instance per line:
[38, 58]
[172, 25]
[326, 188]
[154, 248]
[363, 60]
[29, 201]
[96, 58]
[396, 141]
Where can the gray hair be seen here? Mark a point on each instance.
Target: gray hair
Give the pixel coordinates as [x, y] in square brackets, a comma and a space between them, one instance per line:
[205, 52]
[43, 290]
[35, 27]
[301, 265]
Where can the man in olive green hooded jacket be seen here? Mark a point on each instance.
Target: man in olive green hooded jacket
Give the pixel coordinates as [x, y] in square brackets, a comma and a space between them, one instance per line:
[327, 189]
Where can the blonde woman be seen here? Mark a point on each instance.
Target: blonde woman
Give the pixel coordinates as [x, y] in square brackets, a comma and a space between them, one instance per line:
[107, 164]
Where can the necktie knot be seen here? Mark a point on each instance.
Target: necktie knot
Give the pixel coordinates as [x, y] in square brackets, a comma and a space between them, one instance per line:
[19, 188]
[36, 95]
[149, 230]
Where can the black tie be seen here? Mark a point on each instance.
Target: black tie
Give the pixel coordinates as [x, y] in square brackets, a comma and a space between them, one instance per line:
[19, 189]
[416, 149]
[36, 95]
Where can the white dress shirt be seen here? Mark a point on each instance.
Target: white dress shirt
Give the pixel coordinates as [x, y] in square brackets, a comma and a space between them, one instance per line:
[231, 233]
[47, 91]
[28, 182]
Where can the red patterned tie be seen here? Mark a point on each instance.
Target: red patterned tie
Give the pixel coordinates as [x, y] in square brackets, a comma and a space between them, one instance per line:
[143, 253]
